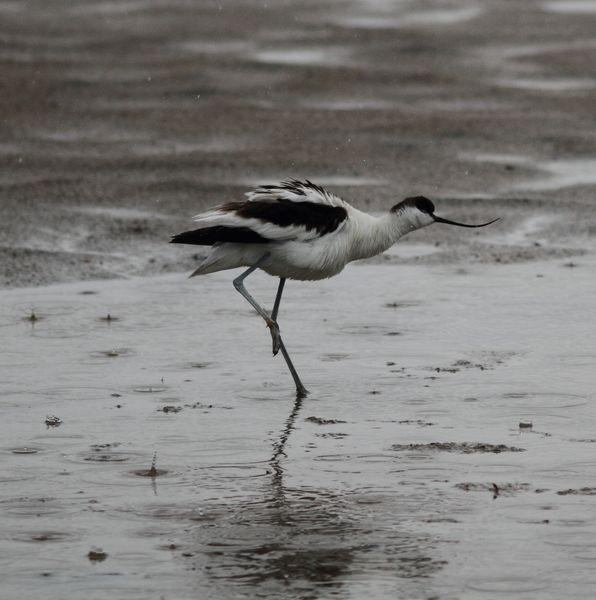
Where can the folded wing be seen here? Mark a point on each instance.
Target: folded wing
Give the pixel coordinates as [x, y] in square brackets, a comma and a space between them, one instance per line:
[292, 210]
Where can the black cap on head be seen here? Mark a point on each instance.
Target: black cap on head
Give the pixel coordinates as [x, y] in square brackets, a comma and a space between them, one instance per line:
[423, 204]
[420, 202]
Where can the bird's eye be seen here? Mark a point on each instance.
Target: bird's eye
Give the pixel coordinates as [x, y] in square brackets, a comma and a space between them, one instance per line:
[425, 205]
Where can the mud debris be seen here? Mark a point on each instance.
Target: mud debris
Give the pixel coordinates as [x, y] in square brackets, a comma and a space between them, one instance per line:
[202, 405]
[153, 471]
[461, 447]
[109, 318]
[322, 421]
[53, 421]
[170, 408]
[502, 489]
[97, 555]
[585, 491]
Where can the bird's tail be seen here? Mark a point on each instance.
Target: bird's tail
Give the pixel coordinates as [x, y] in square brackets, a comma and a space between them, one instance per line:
[204, 269]
[218, 260]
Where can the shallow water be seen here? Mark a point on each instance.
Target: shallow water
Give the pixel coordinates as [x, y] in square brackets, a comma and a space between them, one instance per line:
[571, 7]
[561, 173]
[382, 16]
[304, 56]
[549, 85]
[248, 496]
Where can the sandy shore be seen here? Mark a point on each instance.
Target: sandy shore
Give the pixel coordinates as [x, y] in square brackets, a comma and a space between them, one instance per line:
[405, 473]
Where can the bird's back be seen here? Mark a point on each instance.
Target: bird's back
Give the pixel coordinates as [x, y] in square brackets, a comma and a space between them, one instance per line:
[307, 230]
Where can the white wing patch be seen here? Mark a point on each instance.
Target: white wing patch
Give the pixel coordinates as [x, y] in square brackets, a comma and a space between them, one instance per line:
[295, 191]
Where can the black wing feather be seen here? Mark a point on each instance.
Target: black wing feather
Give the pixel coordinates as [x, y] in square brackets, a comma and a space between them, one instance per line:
[213, 235]
[285, 213]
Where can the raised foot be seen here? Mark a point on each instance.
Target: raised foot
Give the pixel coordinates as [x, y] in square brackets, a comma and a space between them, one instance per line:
[275, 335]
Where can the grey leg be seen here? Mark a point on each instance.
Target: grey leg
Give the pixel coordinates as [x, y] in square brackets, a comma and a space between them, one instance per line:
[280, 289]
[278, 344]
[239, 285]
[270, 320]
[301, 391]
[275, 336]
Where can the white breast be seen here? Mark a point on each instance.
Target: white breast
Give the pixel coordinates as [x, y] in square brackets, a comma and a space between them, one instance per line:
[317, 259]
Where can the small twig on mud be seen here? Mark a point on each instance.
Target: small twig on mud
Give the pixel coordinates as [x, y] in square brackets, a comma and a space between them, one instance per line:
[153, 470]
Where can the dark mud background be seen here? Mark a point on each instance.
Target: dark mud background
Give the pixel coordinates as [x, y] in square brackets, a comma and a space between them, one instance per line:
[121, 119]
[152, 448]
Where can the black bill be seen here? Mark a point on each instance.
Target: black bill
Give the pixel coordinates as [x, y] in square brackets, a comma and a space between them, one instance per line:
[441, 220]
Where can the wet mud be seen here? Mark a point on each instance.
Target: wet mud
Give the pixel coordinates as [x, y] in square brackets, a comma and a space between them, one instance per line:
[121, 120]
[463, 447]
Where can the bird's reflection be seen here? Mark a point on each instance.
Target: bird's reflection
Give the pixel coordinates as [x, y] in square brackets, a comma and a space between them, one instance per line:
[297, 539]
[279, 447]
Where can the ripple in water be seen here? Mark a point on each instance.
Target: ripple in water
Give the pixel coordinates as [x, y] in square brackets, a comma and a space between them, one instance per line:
[542, 400]
[149, 389]
[42, 536]
[508, 585]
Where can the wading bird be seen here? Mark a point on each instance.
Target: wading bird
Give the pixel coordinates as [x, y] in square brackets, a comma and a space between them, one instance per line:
[298, 230]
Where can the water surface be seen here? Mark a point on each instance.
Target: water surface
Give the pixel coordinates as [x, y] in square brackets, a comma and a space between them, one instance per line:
[255, 493]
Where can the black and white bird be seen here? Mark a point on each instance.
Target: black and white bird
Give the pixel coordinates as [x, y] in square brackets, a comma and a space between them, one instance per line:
[298, 230]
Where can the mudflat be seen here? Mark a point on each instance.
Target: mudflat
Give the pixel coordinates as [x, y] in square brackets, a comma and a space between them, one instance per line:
[120, 120]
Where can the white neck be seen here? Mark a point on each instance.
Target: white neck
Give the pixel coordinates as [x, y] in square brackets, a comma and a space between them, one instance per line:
[374, 235]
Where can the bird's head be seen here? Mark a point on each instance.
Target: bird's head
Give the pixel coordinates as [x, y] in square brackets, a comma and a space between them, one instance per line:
[419, 212]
